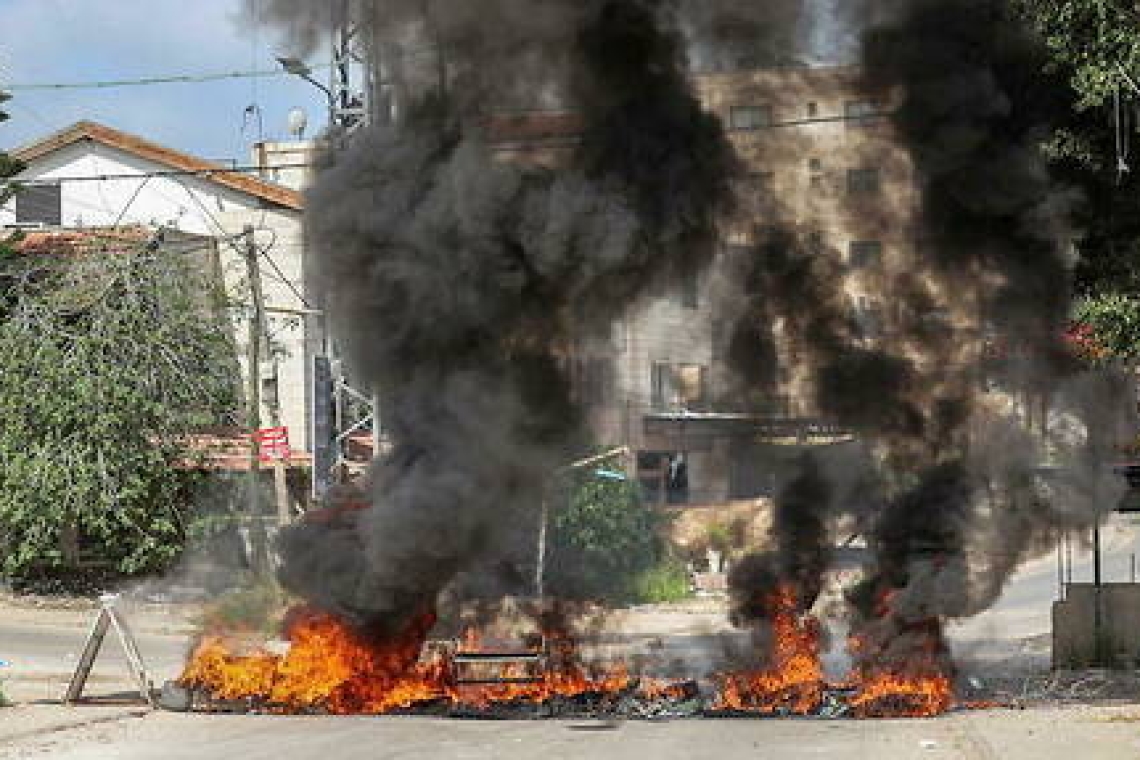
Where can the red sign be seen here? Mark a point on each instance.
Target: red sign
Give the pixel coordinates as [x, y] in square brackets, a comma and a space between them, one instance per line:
[273, 444]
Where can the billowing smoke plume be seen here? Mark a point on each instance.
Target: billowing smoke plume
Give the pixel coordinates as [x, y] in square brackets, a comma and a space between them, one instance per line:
[458, 281]
[978, 305]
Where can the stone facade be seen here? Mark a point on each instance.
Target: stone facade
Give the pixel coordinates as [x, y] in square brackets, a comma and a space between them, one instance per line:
[819, 158]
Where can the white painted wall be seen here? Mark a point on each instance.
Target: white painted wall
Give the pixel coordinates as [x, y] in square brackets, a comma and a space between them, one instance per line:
[200, 206]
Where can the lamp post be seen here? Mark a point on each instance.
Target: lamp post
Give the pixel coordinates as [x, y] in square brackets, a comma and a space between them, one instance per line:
[299, 68]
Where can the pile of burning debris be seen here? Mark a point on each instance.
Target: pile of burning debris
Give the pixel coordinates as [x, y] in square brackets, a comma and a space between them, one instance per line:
[332, 668]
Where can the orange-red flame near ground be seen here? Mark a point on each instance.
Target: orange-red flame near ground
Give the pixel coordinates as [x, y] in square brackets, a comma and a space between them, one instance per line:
[793, 681]
[886, 695]
[916, 687]
[330, 667]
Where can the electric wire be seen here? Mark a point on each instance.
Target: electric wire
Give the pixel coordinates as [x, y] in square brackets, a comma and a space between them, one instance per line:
[243, 170]
[145, 81]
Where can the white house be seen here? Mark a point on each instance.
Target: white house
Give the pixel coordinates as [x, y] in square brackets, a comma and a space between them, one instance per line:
[93, 176]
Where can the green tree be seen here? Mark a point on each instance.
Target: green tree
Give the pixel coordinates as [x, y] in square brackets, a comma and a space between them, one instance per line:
[111, 359]
[1107, 328]
[9, 167]
[603, 539]
[1095, 46]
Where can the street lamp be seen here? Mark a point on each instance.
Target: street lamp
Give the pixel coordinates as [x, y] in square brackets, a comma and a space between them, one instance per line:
[299, 68]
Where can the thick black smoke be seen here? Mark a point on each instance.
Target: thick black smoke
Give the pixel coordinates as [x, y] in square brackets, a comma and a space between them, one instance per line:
[457, 281]
[800, 553]
[975, 105]
[978, 307]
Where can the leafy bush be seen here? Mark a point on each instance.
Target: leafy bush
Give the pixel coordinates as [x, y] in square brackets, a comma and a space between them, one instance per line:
[1107, 328]
[111, 359]
[603, 538]
[668, 581]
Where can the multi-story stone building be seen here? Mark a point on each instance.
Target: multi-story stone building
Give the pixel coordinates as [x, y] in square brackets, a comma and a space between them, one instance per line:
[819, 159]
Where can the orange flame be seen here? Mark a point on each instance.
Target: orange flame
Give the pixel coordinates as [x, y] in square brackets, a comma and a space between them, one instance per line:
[918, 686]
[794, 681]
[330, 667]
[887, 695]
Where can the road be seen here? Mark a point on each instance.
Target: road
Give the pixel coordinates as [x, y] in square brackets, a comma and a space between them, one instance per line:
[1095, 734]
[42, 649]
[41, 659]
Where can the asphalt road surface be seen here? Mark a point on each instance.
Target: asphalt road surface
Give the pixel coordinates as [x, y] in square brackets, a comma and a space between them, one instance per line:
[1093, 734]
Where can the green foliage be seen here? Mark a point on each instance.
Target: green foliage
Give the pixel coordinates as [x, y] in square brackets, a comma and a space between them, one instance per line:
[111, 360]
[718, 537]
[666, 582]
[8, 167]
[1095, 46]
[602, 539]
[1091, 39]
[1114, 321]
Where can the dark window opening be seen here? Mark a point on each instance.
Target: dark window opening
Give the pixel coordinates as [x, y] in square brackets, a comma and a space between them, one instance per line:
[663, 477]
[678, 386]
[750, 117]
[863, 181]
[861, 112]
[865, 253]
[869, 318]
[815, 241]
[690, 291]
[39, 204]
[815, 170]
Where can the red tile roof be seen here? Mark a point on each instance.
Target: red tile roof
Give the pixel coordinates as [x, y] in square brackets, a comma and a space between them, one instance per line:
[534, 126]
[89, 130]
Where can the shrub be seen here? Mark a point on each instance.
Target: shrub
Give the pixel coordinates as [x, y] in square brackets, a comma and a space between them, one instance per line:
[668, 581]
[602, 539]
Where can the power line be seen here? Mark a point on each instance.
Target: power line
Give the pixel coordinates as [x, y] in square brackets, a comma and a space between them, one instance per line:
[264, 252]
[174, 79]
[247, 169]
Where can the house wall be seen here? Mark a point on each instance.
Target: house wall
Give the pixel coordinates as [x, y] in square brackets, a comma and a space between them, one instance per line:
[286, 163]
[200, 206]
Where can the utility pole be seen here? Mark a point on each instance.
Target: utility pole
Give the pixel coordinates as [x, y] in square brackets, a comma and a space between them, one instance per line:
[340, 410]
[258, 331]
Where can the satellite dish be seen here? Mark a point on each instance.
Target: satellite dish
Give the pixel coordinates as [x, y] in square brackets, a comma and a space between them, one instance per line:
[298, 121]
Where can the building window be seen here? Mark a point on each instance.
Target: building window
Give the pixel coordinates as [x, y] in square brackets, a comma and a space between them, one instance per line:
[690, 291]
[750, 117]
[863, 181]
[861, 111]
[815, 173]
[663, 476]
[678, 386]
[813, 110]
[39, 204]
[868, 317]
[865, 253]
[815, 241]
